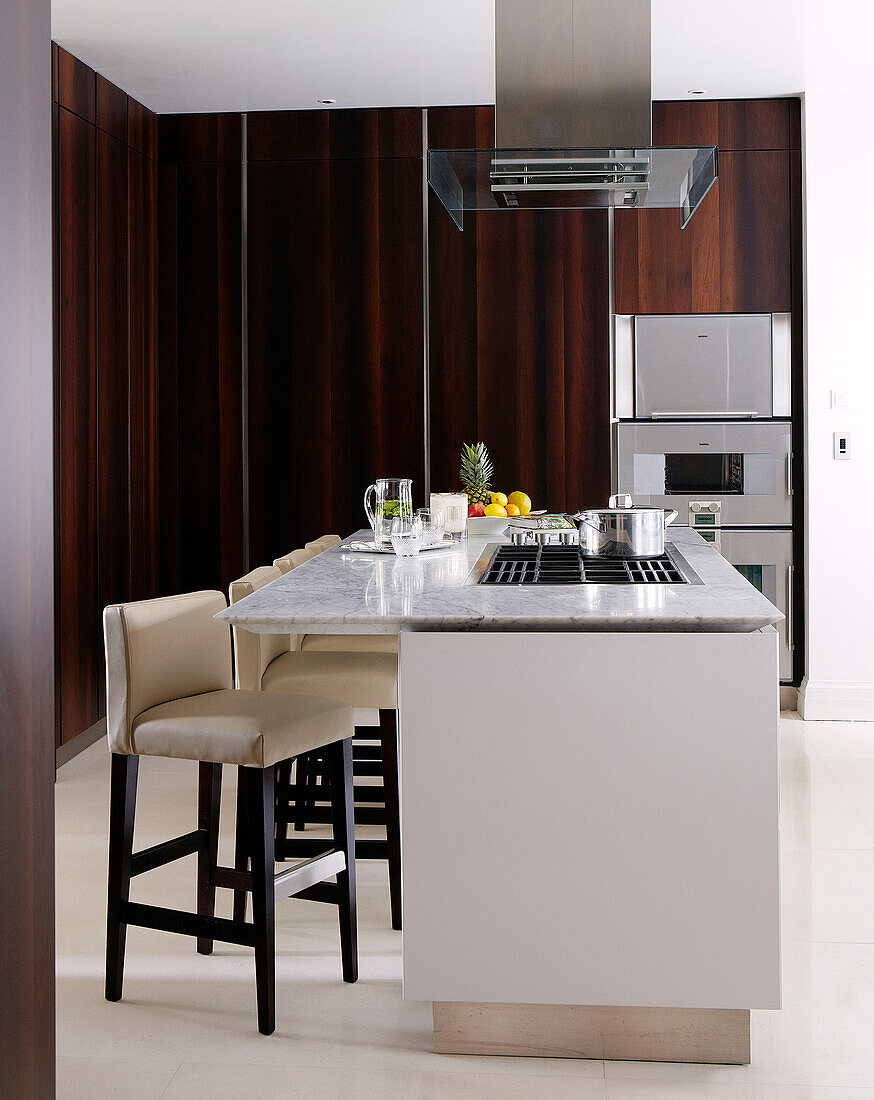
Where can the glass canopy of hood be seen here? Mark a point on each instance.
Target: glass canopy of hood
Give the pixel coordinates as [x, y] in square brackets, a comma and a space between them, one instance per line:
[572, 179]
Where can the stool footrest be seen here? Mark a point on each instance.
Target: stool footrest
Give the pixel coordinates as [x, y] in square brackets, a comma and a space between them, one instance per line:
[187, 924]
[291, 882]
[167, 851]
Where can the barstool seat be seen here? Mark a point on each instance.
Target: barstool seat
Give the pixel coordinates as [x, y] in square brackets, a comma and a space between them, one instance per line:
[250, 729]
[360, 679]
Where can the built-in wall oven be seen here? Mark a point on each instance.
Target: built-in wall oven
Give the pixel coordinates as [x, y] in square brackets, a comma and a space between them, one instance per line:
[744, 468]
[765, 559]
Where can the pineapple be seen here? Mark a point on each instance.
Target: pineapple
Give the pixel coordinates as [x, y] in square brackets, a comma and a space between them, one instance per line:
[476, 473]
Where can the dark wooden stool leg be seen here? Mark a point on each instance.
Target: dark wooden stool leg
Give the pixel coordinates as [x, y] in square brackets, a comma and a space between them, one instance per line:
[122, 806]
[283, 782]
[388, 733]
[208, 809]
[339, 761]
[241, 845]
[260, 805]
[303, 770]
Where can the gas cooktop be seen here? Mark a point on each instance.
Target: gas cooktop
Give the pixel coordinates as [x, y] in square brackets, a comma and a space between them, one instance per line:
[565, 565]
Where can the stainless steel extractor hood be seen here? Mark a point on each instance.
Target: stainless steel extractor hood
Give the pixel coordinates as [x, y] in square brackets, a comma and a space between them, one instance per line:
[573, 118]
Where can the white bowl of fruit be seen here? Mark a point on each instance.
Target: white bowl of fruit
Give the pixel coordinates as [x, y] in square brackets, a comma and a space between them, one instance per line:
[488, 511]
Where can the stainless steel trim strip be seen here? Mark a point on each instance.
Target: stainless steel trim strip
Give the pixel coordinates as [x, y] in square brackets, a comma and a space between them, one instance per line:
[426, 311]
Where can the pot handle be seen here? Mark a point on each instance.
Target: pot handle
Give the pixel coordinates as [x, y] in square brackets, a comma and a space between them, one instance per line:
[600, 526]
[621, 500]
[670, 515]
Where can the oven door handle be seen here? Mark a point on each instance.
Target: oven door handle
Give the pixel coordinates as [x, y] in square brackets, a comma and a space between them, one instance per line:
[702, 414]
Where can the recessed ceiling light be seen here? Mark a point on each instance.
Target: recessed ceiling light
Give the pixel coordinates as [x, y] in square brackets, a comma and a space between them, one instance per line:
[326, 100]
[697, 91]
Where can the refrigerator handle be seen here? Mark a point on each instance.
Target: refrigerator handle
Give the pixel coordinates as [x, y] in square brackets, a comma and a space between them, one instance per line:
[790, 576]
[789, 489]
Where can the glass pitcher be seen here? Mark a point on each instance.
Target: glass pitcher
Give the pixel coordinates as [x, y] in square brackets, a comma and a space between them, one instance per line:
[393, 498]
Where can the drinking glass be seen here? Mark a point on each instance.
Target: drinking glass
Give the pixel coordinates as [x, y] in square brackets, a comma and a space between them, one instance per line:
[433, 526]
[406, 536]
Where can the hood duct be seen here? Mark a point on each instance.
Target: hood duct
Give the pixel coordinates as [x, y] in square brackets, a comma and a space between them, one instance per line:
[573, 118]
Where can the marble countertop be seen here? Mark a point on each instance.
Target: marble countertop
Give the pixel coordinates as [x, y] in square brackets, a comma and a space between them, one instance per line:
[341, 592]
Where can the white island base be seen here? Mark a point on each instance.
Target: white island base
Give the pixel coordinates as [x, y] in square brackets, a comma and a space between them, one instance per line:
[590, 835]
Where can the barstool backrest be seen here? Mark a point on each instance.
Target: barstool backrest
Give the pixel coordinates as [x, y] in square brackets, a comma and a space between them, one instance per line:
[254, 652]
[323, 543]
[296, 557]
[161, 650]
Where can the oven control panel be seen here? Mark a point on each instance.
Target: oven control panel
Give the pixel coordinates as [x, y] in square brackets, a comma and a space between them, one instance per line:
[705, 514]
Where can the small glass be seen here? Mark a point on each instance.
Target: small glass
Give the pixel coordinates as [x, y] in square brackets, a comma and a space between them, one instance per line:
[433, 526]
[406, 536]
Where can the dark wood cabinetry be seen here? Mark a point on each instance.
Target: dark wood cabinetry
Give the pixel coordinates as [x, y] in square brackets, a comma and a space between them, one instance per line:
[335, 318]
[108, 519]
[736, 254]
[519, 353]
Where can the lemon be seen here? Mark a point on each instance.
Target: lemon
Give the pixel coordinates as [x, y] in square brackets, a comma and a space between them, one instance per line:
[513, 510]
[499, 498]
[496, 510]
[522, 502]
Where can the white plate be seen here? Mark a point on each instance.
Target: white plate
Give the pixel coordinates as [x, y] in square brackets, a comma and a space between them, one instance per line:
[486, 525]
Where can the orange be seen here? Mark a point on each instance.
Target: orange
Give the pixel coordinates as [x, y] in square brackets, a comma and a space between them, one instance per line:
[522, 502]
[513, 510]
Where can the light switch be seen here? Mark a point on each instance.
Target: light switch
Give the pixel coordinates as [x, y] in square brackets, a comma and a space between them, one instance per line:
[842, 446]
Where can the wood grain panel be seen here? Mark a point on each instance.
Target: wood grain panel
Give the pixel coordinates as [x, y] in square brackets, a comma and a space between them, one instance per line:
[199, 138]
[147, 429]
[77, 88]
[111, 108]
[209, 375]
[335, 341]
[734, 256]
[142, 129]
[519, 339]
[332, 134]
[112, 390]
[732, 124]
[76, 448]
[754, 232]
[453, 296]
[747, 124]
[720, 1035]
[168, 395]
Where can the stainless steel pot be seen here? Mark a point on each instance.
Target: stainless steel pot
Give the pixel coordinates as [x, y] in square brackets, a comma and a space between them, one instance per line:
[623, 530]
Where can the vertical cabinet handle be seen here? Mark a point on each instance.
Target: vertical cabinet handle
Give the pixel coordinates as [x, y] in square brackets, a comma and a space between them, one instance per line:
[790, 576]
[789, 489]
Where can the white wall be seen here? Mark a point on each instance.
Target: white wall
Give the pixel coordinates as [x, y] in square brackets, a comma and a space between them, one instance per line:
[839, 135]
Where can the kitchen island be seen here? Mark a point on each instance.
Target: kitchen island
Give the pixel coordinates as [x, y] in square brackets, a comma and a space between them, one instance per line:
[589, 796]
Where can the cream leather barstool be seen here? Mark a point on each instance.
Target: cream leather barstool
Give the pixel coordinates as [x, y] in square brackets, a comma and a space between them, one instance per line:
[368, 680]
[170, 693]
[296, 557]
[325, 542]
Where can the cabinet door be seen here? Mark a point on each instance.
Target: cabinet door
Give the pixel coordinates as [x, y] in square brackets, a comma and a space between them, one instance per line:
[335, 342]
[733, 257]
[78, 605]
[519, 323]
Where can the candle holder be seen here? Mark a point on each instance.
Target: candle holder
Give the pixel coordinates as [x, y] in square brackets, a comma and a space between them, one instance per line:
[453, 507]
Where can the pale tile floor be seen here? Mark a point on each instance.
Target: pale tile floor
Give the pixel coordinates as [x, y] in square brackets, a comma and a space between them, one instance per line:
[186, 1026]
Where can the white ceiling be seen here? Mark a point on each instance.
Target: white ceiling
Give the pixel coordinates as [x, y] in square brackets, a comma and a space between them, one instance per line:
[249, 55]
